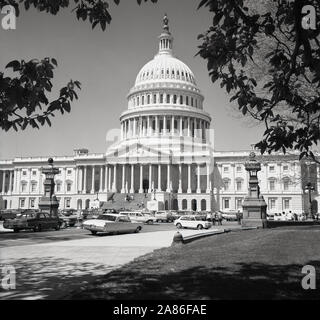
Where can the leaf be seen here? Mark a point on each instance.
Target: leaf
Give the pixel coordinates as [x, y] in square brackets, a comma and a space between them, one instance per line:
[15, 64]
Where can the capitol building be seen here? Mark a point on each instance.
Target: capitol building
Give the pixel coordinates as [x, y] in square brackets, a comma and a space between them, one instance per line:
[164, 157]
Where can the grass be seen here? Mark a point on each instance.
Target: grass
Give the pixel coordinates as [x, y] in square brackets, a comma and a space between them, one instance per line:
[256, 264]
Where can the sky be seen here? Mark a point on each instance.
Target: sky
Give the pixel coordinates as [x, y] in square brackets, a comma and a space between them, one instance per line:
[106, 63]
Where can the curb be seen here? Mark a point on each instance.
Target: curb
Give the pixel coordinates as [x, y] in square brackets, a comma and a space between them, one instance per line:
[178, 238]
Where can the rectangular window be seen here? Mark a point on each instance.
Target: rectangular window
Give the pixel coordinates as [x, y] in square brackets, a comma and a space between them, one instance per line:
[22, 202]
[58, 187]
[32, 202]
[68, 201]
[271, 185]
[285, 168]
[286, 185]
[24, 187]
[226, 184]
[68, 187]
[225, 169]
[24, 172]
[272, 203]
[239, 169]
[238, 203]
[239, 185]
[33, 187]
[226, 203]
[286, 204]
[69, 172]
[271, 168]
[34, 172]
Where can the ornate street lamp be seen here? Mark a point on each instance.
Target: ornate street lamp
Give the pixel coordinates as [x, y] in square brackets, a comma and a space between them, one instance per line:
[309, 188]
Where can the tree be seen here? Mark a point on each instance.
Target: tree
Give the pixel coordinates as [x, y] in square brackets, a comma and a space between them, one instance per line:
[287, 98]
[23, 97]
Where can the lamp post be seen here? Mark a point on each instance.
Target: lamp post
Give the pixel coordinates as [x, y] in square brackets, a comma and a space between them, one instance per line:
[309, 188]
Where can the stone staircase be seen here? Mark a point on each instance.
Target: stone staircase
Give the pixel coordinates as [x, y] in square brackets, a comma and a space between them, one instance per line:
[117, 201]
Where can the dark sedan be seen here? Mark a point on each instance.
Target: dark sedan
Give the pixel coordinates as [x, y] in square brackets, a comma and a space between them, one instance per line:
[35, 221]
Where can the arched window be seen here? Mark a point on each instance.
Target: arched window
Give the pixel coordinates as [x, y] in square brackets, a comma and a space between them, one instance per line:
[154, 98]
[138, 101]
[142, 100]
[191, 101]
[175, 99]
[148, 99]
[239, 184]
[168, 98]
[286, 183]
[187, 100]
[203, 204]
[226, 183]
[181, 99]
[184, 204]
[161, 98]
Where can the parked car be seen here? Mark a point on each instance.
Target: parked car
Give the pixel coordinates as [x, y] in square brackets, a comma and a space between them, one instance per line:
[163, 216]
[270, 216]
[111, 223]
[7, 214]
[68, 218]
[36, 221]
[229, 216]
[193, 222]
[279, 217]
[136, 216]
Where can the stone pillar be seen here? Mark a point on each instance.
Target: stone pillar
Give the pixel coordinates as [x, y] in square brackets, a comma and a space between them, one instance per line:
[10, 182]
[180, 178]
[164, 125]
[181, 122]
[168, 177]
[141, 179]
[123, 190]
[140, 126]
[208, 177]
[189, 127]
[18, 180]
[157, 125]
[84, 188]
[159, 177]
[15, 181]
[63, 180]
[189, 178]
[3, 180]
[134, 127]
[101, 179]
[172, 126]
[93, 176]
[150, 178]
[109, 178]
[198, 179]
[149, 127]
[121, 130]
[29, 185]
[75, 185]
[132, 179]
[114, 178]
[106, 176]
[40, 182]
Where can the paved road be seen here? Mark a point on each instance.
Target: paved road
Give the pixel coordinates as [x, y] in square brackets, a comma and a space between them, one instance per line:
[29, 237]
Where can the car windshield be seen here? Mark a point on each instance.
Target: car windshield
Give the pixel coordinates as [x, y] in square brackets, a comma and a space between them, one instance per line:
[107, 217]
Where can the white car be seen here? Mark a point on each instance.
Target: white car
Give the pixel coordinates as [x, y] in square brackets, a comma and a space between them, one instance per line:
[280, 217]
[112, 223]
[136, 216]
[193, 222]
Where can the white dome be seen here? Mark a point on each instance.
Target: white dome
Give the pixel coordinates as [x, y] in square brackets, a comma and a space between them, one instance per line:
[164, 67]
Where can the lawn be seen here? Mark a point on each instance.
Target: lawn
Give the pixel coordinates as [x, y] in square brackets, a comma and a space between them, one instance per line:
[255, 264]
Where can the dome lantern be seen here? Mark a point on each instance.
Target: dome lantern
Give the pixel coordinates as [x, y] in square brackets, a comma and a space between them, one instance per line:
[165, 39]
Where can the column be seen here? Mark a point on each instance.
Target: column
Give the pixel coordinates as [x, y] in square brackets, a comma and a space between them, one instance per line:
[132, 179]
[106, 172]
[84, 188]
[164, 125]
[75, 185]
[3, 180]
[141, 177]
[40, 182]
[150, 178]
[109, 178]
[63, 180]
[180, 178]
[159, 177]
[114, 178]
[189, 127]
[123, 190]
[148, 127]
[140, 126]
[208, 178]
[121, 130]
[189, 178]
[157, 125]
[30, 178]
[80, 179]
[172, 126]
[101, 178]
[10, 182]
[92, 179]
[168, 177]
[18, 180]
[181, 121]
[198, 179]
[134, 127]
[15, 181]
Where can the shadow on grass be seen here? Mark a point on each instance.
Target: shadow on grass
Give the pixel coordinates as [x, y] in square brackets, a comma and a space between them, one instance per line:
[244, 281]
[50, 277]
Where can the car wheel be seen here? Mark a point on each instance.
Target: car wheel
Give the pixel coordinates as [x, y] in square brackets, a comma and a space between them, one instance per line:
[138, 230]
[57, 227]
[149, 222]
[94, 232]
[199, 226]
[16, 230]
[179, 225]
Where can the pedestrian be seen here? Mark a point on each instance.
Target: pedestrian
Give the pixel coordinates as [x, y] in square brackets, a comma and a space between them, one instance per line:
[209, 217]
[219, 218]
[239, 217]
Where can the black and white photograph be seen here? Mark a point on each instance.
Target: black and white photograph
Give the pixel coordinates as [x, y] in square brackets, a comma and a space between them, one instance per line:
[159, 153]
